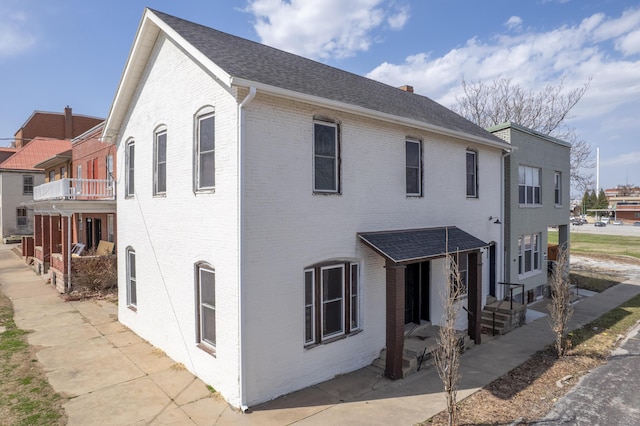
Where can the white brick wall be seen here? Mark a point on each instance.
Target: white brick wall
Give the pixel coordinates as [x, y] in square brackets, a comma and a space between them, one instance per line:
[289, 228]
[286, 226]
[170, 234]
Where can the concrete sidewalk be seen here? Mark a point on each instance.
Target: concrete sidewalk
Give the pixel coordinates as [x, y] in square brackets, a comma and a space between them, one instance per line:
[115, 378]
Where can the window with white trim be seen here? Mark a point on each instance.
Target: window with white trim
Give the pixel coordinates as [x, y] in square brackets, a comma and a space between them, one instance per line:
[557, 183]
[132, 292]
[205, 152]
[109, 170]
[206, 303]
[529, 260]
[413, 157]
[529, 185]
[472, 174]
[27, 185]
[160, 162]
[21, 217]
[332, 297]
[326, 157]
[130, 154]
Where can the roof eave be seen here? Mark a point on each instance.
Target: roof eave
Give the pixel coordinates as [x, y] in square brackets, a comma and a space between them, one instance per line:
[317, 100]
[148, 30]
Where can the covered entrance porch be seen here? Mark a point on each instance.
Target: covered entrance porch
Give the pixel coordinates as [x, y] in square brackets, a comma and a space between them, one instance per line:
[414, 284]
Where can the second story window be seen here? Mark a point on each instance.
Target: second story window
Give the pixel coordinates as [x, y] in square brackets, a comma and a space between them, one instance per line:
[326, 157]
[160, 163]
[52, 175]
[27, 185]
[63, 171]
[472, 174]
[205, 152]
[557, 181]
[413, 168]
[109, 171]
[529, 185]
[130, 156]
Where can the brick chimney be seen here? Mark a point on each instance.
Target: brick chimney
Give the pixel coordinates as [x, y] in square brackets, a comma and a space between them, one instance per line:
[407, 88]
[68, 123]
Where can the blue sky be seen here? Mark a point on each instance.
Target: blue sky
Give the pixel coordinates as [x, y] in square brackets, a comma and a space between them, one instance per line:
[72, 52]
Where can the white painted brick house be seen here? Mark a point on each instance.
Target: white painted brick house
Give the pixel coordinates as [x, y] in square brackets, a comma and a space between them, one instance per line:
[273, 210]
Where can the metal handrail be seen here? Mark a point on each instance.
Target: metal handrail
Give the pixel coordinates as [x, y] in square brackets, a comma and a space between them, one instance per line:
[513, 286]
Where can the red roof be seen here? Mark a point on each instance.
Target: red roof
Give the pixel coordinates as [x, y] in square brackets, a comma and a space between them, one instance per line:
[36, 151]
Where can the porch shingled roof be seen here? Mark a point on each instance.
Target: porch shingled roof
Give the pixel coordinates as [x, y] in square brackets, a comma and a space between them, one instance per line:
[414, 245]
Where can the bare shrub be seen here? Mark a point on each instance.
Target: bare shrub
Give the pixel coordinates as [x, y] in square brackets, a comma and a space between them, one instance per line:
[94, 273]
[560, 309]
[447, 355]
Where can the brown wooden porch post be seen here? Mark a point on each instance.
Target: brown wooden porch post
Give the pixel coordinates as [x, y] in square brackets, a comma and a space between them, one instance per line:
[475, 296]
[395, 320]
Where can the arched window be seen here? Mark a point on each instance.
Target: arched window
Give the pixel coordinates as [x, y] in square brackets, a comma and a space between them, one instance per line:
[160, 161]
[130, 151]
[205, 149]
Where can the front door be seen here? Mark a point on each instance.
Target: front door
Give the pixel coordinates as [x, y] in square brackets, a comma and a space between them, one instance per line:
[416, 293]
[97, 228]
[89, 233]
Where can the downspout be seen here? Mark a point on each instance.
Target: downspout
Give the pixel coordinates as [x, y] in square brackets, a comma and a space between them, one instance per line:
[241, 195]
[504, 220]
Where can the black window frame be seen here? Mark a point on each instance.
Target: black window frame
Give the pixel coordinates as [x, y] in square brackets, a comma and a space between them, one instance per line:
[318, 302]
[413, 169]
[320, 157]
[471, 174]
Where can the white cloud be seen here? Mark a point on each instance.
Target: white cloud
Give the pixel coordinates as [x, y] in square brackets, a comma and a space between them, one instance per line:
[627, 159]
[533, 60]
[397, 20]
[15, 36]
[323, 28]
[514, 23]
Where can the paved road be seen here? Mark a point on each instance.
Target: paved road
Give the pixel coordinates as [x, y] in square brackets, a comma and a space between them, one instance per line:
[609, 395]
[590, 228]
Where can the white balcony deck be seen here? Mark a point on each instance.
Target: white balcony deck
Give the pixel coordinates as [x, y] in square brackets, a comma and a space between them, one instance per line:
[76, 189]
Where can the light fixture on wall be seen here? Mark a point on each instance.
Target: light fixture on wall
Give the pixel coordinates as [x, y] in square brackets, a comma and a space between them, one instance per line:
[497, 220]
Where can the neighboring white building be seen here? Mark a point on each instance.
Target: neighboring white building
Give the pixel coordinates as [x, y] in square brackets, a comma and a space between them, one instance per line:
[536, 197]
[272, 210]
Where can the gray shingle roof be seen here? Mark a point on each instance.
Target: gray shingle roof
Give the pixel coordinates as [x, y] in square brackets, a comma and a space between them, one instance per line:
[420, 244]
[256, 62]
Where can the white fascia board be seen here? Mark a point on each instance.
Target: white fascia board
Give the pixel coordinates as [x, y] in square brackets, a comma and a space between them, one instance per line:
[341, 106]
[150, 27]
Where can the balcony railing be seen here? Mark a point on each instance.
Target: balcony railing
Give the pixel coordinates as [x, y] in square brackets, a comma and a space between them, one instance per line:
[76, 189]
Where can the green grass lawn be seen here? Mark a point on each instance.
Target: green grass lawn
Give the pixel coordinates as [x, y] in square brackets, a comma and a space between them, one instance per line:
[601, 244]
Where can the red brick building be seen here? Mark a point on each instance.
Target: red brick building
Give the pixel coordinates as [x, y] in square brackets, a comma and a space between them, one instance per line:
[55, 125]
[75, 209]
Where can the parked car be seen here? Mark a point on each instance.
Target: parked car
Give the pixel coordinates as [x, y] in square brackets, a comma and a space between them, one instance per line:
[618, 222]
[636, 223]
[600, 223]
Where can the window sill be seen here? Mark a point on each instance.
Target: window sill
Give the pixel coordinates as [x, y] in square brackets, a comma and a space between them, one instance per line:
[163, 195]
[327, 193]
[472, 197]
[414, 196]
[332, 339]
[208, 349]
[530, 206]
[558, 206]
[530, 274]
[132, 308]
[204, 191]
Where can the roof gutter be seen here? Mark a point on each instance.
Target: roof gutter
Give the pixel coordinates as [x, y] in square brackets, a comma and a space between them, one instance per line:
[366, 112]
[241, 288]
